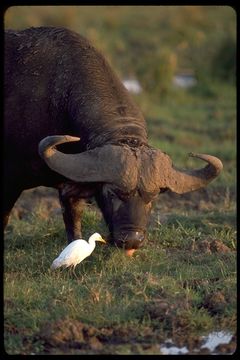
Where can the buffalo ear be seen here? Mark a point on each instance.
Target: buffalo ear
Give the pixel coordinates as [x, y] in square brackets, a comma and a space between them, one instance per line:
[182, 181]
[108, 163]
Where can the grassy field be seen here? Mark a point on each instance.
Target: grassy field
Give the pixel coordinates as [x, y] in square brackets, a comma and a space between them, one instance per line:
[181, 285]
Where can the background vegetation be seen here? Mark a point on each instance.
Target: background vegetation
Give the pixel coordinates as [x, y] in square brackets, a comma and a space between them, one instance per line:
[148, 42]
[183, 282]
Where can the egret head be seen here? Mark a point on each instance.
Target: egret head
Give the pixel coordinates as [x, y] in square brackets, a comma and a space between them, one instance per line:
[97, 237]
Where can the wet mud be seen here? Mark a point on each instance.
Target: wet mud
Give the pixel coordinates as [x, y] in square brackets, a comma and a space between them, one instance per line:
[74, 337]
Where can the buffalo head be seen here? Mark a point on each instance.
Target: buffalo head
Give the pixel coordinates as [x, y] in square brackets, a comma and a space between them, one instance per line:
[129, 178]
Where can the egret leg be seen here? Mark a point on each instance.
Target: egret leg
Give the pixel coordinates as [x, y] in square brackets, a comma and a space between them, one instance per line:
[73, 271]
[70, 270]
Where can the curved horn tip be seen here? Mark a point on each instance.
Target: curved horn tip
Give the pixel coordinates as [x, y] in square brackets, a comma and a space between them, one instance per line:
[205, 157]
[54, 140]
[213, 160]
[71, 138]
[48, 144]
[191, 154]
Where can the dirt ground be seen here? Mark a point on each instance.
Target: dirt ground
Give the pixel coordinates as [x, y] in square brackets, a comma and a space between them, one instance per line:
[47, 199]
[74, 337]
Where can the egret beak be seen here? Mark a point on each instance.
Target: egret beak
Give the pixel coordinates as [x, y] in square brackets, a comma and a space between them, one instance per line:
[102, 240]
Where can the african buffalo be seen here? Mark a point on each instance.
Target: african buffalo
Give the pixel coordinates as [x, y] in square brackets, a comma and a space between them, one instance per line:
[59, 89]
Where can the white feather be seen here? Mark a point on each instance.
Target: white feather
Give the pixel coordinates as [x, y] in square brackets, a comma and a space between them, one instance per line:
[76, 252]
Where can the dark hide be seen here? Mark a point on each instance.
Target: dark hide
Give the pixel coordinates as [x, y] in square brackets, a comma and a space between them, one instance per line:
[57, 83]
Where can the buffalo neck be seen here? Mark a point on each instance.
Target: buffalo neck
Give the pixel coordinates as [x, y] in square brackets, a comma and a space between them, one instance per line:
[97, 122]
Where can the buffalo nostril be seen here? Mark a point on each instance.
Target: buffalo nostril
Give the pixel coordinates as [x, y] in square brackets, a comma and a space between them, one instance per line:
[137, 236]
[140, 237]
[130, 239]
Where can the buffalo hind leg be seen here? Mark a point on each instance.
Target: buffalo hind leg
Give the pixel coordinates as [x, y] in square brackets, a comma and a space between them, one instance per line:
[9, 199]
[6, 215]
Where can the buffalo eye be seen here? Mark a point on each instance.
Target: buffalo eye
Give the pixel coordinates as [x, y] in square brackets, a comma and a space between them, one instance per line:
[116, 202]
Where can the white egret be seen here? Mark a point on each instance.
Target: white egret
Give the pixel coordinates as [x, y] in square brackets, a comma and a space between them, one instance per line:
[76, 252]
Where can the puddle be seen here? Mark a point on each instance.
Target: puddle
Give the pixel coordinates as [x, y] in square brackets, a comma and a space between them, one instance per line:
[184, 80]
[170, 349]
[132, 86]
[209, 342]
[216, 338]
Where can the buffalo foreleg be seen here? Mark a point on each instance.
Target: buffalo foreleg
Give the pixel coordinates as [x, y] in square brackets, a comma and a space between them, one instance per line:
[72, 208]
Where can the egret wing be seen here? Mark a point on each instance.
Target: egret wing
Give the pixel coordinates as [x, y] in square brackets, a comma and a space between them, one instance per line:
[73, 254]
[72, 249]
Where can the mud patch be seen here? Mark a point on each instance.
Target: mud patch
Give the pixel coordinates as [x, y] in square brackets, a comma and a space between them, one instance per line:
[215, 303]
[67, 333]
[42, 200]
[74, 337]
[219, 247]
[209, 246]
[202, 199]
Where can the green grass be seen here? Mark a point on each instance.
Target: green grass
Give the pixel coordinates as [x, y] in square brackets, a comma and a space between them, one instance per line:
[113, 289]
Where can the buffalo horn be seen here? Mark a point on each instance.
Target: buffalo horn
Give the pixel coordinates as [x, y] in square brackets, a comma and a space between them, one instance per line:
[182, 181]
[108, 163]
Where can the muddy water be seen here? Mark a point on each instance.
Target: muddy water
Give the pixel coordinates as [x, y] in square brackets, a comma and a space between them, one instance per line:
[210, 344]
